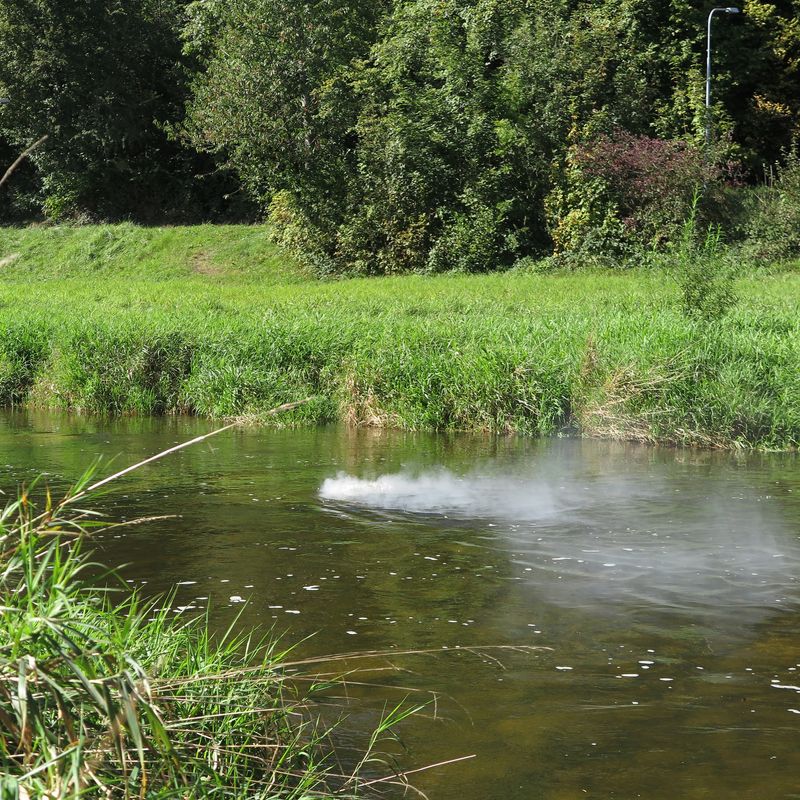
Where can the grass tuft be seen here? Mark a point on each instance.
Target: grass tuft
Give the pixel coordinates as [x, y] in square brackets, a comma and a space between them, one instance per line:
[105, 695]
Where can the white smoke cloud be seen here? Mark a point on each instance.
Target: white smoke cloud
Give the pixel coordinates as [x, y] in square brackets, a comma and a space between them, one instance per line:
[708, 546]
[442, 492]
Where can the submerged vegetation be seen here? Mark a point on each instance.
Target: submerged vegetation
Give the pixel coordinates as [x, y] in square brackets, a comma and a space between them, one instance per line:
[215, 321]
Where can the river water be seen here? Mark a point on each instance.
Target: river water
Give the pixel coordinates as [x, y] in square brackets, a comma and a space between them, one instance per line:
[653, 592]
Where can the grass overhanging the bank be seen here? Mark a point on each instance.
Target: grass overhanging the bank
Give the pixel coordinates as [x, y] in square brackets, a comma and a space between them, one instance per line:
[104, 694]
[118, 699]
[214, 320]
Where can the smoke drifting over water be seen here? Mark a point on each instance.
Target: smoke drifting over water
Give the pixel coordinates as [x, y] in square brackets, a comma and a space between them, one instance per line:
[603, 540]
[441, 492]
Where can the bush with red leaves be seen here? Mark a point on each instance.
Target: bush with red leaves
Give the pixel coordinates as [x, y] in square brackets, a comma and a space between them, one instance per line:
[650, 181]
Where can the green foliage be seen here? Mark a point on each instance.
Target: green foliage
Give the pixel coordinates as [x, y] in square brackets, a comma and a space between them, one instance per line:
[773, 229]
[458, 134]
[273, 98]
[100, 78]
[704, 273]
[465, 111]
[384, 137]
[474, 241]
[295, 231]
[636, 186]
[585, 224]
[105, 695]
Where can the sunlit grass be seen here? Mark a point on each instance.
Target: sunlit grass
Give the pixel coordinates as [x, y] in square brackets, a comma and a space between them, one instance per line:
[216, 321]
[103, 697]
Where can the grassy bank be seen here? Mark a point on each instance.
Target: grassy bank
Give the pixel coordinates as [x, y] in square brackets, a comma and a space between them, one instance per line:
[216, 321]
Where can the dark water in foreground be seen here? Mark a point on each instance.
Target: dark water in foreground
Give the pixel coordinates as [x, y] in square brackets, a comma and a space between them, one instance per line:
[665, 583]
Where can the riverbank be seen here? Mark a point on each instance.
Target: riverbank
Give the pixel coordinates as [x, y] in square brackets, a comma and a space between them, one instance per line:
[215, 321]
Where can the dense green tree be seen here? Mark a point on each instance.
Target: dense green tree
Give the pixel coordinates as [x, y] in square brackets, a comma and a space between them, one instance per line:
[471, 113]
[756, 75]
[274, 98]
[441, 179]
[390, 135]
[466, 111]
[98, 77]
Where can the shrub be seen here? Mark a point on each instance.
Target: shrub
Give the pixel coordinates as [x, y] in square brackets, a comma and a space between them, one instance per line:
[477, 240]
[292, 229]
[704, 274]
[773, 231]
[627, 191]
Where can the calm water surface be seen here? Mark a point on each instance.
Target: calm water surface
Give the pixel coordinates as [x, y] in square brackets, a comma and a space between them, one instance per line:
[661, 586]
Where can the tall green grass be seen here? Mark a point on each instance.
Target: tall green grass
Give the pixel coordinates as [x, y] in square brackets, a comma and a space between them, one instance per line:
[103, 695]
[594, 353]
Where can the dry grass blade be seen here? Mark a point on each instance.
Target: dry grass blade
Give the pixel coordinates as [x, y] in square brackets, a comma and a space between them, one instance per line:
[426, 768]
[99, 484]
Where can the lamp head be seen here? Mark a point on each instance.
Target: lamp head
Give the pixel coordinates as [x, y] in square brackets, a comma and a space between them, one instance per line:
[732, 10]
[4, 101]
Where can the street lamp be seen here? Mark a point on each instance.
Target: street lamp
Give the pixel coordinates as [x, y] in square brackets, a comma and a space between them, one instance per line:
[728, 10]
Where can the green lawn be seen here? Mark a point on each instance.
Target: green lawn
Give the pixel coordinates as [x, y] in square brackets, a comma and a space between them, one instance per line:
[214, 320]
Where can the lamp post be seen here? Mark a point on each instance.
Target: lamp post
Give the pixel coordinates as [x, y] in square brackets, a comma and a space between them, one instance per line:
[724, 10]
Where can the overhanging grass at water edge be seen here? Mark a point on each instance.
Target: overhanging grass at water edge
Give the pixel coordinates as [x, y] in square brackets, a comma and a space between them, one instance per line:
[103, 695]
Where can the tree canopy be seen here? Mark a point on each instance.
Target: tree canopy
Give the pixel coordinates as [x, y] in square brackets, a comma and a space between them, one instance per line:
[383, 136]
